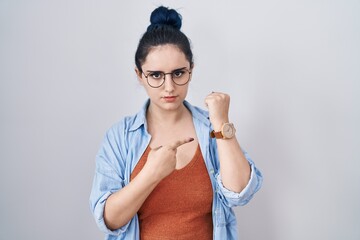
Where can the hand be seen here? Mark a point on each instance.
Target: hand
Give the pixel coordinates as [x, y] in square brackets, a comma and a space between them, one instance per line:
[218, 105]
[162, 160]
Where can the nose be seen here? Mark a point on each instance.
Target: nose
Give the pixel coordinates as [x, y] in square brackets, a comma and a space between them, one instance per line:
[169, 84]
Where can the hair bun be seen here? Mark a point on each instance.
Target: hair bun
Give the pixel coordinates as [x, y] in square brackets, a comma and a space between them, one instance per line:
[164, 16]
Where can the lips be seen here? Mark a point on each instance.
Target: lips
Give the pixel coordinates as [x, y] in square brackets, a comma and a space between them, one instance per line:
[169, 98]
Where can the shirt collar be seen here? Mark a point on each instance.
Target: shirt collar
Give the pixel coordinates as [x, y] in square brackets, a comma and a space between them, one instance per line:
[140, 117]
[197, 113]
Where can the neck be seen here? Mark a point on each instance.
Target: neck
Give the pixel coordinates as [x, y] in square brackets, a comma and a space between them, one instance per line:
[164, 117]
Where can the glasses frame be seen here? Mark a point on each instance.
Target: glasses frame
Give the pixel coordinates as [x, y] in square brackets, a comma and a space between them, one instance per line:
[164, 78]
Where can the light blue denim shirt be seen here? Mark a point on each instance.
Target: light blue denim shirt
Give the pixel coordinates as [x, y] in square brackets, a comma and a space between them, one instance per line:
[122, 147]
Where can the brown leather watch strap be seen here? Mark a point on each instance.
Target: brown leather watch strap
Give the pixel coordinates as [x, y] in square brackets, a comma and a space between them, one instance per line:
[217, 135]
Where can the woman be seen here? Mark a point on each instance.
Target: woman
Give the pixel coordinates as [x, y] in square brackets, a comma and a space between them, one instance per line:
[172, 171]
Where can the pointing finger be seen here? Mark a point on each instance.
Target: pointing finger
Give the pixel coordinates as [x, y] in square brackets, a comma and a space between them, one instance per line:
[157, 148]
[178, 143]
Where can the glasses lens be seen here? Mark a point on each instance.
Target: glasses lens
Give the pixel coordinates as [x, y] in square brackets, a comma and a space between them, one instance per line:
[156, 79]
[181, 77]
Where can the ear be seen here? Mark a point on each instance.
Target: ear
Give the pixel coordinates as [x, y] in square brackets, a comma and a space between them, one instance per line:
[138, 74]
[192, 66]
[191, 70]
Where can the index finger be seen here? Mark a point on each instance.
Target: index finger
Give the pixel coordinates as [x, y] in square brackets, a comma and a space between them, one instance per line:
[178, 143]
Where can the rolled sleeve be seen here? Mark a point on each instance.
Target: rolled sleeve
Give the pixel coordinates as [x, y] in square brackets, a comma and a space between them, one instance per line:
[108, 179]
[98, 199]
[99, 217]
[242, 198]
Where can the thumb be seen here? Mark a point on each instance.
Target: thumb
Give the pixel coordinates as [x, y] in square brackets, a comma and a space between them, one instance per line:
[178, 143]
[156, 148]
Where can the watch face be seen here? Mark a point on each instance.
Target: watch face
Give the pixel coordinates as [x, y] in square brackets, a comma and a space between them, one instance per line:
[228, 131]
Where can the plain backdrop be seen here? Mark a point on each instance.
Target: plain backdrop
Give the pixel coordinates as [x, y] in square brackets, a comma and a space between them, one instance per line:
[292, 69]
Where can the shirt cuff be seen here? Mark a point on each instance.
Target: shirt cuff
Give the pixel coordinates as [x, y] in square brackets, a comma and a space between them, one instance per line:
[99, 217]
[242, 198]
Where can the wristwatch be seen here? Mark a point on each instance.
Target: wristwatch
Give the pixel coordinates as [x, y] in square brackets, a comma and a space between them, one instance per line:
[227, 131]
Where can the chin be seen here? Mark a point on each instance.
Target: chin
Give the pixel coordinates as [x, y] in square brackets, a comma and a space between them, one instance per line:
[170, 106]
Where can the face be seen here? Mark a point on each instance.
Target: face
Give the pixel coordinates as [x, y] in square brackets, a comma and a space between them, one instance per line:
[167, 59]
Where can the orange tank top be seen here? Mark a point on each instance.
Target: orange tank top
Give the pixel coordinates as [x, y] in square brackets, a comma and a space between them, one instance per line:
[180, 207]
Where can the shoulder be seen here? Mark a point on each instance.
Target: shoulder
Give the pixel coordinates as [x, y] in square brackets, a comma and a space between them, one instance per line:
[131, 122]
[198, 113]
[127, 124]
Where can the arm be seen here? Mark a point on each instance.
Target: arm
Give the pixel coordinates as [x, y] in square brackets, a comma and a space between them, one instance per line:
[234, 168]
[114, 204]
[124, 204]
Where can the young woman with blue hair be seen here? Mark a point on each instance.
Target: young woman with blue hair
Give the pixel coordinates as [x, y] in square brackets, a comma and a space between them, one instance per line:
[173, 170]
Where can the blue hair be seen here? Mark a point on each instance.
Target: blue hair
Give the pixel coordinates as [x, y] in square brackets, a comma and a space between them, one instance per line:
[164, 28]
[164, 16]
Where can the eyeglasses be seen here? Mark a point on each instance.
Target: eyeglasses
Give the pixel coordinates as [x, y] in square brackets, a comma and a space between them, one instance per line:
[157, 78]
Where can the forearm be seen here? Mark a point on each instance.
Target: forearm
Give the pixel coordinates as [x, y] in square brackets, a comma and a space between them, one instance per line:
[234, 168]
[121, 206]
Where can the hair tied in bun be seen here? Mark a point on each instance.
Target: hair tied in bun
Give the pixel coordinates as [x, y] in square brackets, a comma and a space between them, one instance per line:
[163, 30]
[163, 16]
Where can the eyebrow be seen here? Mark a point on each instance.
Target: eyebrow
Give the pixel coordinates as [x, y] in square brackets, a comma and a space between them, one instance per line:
[178, 69]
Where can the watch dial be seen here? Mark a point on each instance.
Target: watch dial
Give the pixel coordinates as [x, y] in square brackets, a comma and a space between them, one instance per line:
[228, 131]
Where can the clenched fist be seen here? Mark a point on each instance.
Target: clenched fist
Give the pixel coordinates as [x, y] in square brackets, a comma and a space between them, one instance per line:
[218, 106]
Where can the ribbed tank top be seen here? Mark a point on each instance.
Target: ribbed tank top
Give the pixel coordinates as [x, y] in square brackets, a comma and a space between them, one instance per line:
[180, 207]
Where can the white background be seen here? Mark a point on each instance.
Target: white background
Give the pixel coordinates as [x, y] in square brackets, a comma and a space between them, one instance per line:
[292, 69]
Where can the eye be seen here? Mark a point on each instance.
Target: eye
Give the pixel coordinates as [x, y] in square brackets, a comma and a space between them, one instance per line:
[156, 75]
[178, 74]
